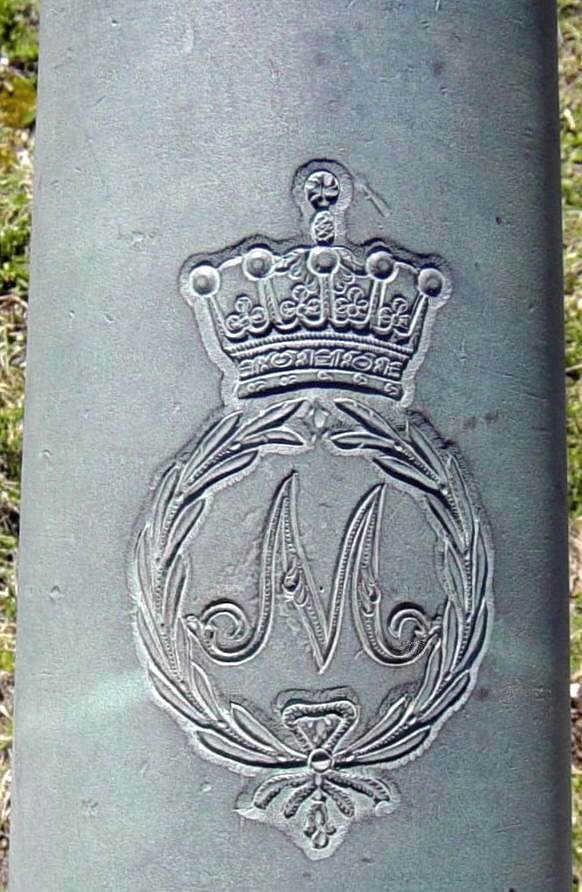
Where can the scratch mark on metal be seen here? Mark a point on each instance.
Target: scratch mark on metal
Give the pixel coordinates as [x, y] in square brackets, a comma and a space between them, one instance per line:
[379, 203]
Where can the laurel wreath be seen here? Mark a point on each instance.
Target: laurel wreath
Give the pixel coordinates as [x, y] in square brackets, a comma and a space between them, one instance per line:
[161, 578]
[417, 458]
[410, 454]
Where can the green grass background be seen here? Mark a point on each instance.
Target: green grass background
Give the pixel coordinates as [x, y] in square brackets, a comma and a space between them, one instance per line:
[18, 58]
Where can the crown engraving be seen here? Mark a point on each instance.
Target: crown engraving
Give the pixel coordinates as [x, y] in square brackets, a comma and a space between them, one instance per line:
[319, 310]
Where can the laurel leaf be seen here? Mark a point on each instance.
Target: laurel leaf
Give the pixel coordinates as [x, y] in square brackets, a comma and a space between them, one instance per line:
[175, 614]
[217, 435]
[398, 749]
[426, 451]
[382, 728]
[184, 522]
[162, 500]
[453, 572]
[272, 417]
[453, 693]
[254, 731]
[291, 261]
[451, 640]
[459, 484]
[431, 674]
[422, 445]
[175, 699]
[442, 516]
[406, 473]
[349, 440]
[217, 743]
[150, 639]
[350, 260]
[481, 564]
[174, 577]
[143, 562]
[203, 687]
[210, 444]
[236, 464]
[174, 587]
[179, 639]
[200, 685]
[476, 638]
[366, 416]
[154, 647]
[283, 436]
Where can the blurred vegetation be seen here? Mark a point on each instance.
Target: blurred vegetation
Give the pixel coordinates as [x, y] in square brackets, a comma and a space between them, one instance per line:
[18, 62]
[570, 21]
[18, 65]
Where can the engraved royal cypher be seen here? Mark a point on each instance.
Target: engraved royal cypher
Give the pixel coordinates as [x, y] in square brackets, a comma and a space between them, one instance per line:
[296, 324]
[285, 570]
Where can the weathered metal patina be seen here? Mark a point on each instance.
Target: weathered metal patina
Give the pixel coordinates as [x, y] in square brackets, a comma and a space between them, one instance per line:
[303, 492]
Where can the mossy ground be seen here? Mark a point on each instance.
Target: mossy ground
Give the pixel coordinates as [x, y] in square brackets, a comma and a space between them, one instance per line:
[18, 57]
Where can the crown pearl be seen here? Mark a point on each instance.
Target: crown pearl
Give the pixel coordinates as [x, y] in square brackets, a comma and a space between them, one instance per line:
[430, 282]
[257, 263]
[322, 261]
[204, 280]
[380, 265]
